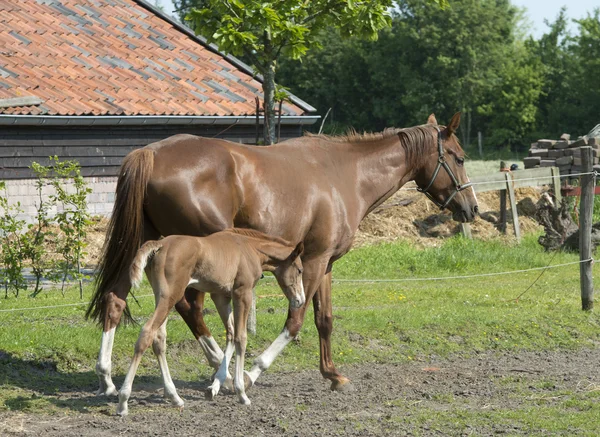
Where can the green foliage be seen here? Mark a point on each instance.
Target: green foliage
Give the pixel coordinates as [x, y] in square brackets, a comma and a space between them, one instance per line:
[263, 31]
[12, 245]
[29, 245]
[72, 219]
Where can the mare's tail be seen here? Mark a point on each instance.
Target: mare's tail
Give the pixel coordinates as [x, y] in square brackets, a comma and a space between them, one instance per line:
[145, 254]
[125, 230]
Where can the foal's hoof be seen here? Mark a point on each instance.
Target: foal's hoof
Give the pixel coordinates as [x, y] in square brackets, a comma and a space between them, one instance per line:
[342, 384]
[109, 391]
[122, 411]
[211, 393]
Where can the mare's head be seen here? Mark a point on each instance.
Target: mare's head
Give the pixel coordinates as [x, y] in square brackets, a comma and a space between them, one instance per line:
[442, 175]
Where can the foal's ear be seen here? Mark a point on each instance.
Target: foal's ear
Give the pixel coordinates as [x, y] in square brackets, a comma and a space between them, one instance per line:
[432, 120]
[298, 250]
[454, 123]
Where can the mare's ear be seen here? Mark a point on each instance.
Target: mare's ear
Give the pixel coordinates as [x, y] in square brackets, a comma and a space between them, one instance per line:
[432, 120]
[454, 123]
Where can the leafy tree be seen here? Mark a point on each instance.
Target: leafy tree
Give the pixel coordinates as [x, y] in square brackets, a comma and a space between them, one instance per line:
[263, 31]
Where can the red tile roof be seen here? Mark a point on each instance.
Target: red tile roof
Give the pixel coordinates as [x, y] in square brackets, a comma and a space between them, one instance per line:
[115, 57]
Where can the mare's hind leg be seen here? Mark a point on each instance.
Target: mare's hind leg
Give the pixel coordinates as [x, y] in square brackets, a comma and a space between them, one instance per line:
[114, 305]
[159, 345]
[223, 305]
[145, 339]
[190, 308]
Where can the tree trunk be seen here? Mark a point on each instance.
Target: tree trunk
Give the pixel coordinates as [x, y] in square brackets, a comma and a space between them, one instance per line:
[269, 102]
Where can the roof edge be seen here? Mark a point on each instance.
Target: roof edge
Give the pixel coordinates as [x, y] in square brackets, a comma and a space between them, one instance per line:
[213, 48]
[144, 120]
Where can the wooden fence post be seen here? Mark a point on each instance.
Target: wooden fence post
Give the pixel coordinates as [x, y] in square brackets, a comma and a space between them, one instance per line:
[586, 210]
[513, 205]
[502, 204]
[252, 315]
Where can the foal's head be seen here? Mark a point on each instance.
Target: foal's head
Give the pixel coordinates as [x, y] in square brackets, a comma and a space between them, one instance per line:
[284, 261]
[443, 177]
[288, 273]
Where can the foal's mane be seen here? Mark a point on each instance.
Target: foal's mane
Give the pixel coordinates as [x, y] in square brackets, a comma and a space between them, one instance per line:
[412, 139]
[258, 235]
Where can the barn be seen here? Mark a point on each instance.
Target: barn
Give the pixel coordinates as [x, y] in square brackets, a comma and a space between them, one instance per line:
[91, 80]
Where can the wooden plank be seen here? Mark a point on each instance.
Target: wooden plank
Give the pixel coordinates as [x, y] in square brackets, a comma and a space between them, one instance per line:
[576, 191]
[556, 184]
[465, 229]
[93, 161]
[25, 173]
[67, 152]
[586, 211]
[502, 194]
[513, 206]
[20, 101]
[532, 177]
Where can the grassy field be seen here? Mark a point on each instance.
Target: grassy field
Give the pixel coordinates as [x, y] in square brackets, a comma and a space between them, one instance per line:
[45, 350]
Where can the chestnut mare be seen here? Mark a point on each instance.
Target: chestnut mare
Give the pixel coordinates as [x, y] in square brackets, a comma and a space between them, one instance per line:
[314, 189]
[228, 265]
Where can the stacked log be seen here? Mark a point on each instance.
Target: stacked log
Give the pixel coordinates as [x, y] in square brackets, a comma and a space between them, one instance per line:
[563, 153]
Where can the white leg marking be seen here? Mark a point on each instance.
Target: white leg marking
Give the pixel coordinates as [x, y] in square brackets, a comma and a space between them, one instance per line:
[265, 360]
[222, 373]
[240, 350]
[104, 365]
[160, 346]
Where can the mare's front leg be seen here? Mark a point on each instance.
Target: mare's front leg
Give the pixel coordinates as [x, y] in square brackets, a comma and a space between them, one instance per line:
[190, 308]
[314, 271]
[324, 321]
[223, 304]
[113, 306]
[241, 307]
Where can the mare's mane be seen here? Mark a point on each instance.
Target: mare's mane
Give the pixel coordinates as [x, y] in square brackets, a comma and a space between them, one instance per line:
[258, 235]
[412, 139]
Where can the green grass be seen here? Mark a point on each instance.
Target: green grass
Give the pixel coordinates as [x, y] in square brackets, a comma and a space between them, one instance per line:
[46, 351]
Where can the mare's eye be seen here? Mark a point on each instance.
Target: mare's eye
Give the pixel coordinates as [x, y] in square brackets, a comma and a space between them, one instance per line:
[460, 161]
[300, 271]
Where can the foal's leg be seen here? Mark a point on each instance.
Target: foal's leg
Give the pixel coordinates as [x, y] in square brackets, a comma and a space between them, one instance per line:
[159, 345]
[314, 271]
[145, 339]
[114, 305]
[242, 303]
[223, 305]
[190, 308]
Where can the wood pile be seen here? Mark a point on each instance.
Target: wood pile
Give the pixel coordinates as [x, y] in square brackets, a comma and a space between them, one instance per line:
[563, 153]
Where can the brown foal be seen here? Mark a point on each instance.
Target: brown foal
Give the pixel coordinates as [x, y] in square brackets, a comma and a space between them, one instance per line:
[228, 265]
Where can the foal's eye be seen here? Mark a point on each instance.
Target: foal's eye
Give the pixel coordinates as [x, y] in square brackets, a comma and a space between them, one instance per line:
[460, 161]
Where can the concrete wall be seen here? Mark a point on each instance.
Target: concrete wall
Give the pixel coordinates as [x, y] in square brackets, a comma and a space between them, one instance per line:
[100, 201]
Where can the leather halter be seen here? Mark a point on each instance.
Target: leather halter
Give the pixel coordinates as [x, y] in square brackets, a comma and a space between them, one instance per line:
[442, 163]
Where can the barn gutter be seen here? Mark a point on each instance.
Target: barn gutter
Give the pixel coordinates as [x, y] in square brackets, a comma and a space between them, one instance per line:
[142, 120]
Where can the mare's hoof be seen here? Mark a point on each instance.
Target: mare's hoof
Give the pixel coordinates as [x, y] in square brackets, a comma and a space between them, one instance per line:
[122, 411]
[247, 381]
[245, 401]
[342, 384]
[210, 394]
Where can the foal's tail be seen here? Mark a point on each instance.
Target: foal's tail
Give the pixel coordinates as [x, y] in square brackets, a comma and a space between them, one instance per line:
[125, 230]
[143, 256]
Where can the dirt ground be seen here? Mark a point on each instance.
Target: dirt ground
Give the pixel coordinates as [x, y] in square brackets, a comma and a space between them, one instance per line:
[387, 400]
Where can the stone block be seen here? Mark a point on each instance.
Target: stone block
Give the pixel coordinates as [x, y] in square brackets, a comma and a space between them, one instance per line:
[531, 161]
[583, 141]
[561, 144]
[565, 137]
[538, 152]
[546, 144]
[592, 141]
[577, 160]
[577, 152]
[564, 160]
[569, 152]
[556, 153]
[547, 163]
[534, 145]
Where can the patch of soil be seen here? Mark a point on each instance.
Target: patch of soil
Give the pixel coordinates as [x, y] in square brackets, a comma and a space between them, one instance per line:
[388, 399]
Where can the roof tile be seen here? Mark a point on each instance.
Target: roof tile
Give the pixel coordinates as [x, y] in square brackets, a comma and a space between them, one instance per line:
[114, 57]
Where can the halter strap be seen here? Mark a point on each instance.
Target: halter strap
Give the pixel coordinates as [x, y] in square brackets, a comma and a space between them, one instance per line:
[442, 163]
